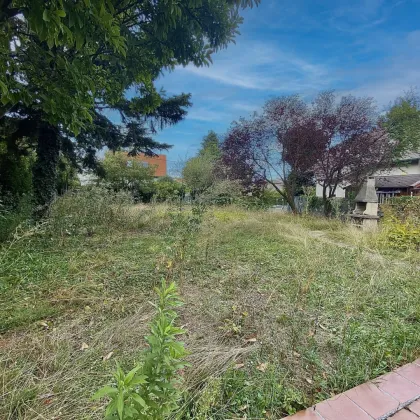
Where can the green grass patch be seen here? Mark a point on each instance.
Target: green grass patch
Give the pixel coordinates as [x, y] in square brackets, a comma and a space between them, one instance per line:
[278, 317]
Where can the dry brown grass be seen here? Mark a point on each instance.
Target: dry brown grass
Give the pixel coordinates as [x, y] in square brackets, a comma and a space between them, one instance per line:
[258, 288]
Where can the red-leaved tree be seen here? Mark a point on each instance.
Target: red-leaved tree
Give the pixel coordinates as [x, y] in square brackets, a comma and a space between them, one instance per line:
[355, 146]
[336, 141]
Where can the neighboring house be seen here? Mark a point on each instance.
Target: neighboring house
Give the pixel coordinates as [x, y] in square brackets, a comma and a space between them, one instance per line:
[397, 185]
[401, 179]
[277, 182]
[157, 162]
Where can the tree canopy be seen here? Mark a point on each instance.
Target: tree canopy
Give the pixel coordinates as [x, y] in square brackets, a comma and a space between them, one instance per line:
[337, 140]
[62, 63]
[402, 121]
[199, 172]
[63, 57]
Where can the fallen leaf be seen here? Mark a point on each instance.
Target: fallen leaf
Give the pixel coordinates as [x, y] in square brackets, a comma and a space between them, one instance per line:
[49, 401]
[44, 396]
[84, 346]
[243, 408]
[251, 338]
[296, 354]
[324, 375]
[262, 367]
[43, 324]
[239, 365]
[108, 356]
[309, 380]
[311, 333]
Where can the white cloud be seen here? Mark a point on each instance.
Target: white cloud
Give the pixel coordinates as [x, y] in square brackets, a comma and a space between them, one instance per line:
[261, 66]
[203, 114]
[245, 106]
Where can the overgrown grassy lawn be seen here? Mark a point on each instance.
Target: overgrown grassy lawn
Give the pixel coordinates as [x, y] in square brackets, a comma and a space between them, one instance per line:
[281, 312]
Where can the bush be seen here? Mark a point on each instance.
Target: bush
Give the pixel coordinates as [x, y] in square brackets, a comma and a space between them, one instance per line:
[124, 173]
[84, 210]
[167, 189]
[222, 193]
[401, 223]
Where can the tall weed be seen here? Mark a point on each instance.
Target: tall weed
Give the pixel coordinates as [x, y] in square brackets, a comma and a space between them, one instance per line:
[401, 223]
[89, 209]
[151, 389]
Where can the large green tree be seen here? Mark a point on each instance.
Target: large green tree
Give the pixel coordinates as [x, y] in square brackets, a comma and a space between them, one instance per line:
[402, 121]
[66, 60]
[63, 56]
[200, 172]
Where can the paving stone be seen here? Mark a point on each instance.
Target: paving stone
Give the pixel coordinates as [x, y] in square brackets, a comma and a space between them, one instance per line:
[404, 415]
[415, 407]
[410, 372]
[375, 402]
[341, 408]
[398, 387]
[308, 414]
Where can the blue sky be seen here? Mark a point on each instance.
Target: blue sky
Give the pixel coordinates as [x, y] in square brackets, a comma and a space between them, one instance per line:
[363, 47]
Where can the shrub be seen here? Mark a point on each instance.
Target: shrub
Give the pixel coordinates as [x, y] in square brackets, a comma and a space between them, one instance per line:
[401, 223]
[124, 173]
[84, 210]
[167, 189]
[151, 389]
[222, 193]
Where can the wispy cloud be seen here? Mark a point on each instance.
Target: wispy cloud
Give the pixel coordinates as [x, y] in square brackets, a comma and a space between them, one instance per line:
[203, 114]
[263, 67]
[364, 47]
[245, 106]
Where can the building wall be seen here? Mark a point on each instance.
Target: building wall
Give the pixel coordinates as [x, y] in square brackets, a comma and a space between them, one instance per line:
[158, 162]
[411, 169]
[339, 192]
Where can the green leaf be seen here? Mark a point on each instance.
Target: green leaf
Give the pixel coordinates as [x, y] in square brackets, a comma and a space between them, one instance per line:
[130, 375]
[112, 406]
[105, 391]
[3, 88]
[138, 380]
[45, 16]
[139, 399]
[60, 13]
[120, 405]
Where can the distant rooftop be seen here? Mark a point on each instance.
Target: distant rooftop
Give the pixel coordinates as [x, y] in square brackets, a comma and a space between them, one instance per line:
[411, 156]
[397, 181]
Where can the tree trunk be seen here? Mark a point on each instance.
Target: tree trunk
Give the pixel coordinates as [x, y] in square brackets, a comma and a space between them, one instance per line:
[326, 201]
[291, 201]
[287, 195]
[45, 169]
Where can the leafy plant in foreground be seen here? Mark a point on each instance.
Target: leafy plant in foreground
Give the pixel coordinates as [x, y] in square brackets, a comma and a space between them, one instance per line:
[150, 390]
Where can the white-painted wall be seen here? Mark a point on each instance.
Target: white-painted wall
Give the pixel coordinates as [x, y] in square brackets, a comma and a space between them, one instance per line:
[411, 169]
[339, 192]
